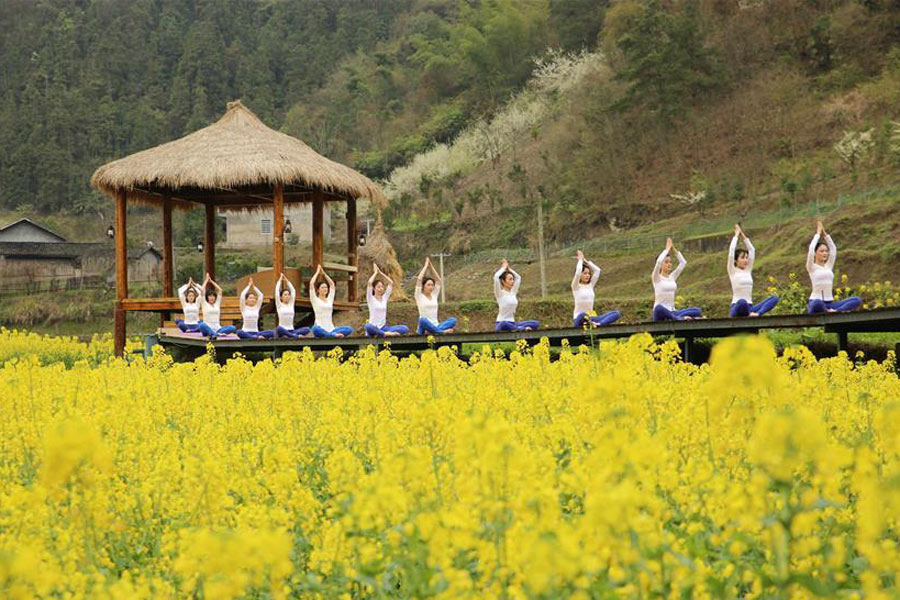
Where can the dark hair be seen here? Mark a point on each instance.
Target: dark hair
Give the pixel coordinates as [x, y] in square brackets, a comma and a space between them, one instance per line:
[321, 283]
[738, 252]
[505, 273]
[191, 290]
[820, 244]
[376, 282]
[285, 290]
[211, 293]
[426, 280]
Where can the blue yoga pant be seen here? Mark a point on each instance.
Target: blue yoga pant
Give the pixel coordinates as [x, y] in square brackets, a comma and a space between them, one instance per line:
[205, 329]
[290, 333]
[426, 326]
[375, 331]
[516, 325]
[255, 335]
[847, 304]
[742, 308]
[661, 313]
[323, 333]
[604, 319]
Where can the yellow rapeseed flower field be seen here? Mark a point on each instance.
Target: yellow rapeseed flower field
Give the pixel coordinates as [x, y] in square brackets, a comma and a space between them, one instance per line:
[619, 472]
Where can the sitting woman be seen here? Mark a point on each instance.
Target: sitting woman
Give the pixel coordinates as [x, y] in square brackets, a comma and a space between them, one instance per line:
[506, 287]
[377, 296]
[285, 297]
[426, 294]
[321, 296]
[251, 300]
[664, 287]
[740, 267]
[820, 265]
[189, 295]
[211, 305]
[586, 276]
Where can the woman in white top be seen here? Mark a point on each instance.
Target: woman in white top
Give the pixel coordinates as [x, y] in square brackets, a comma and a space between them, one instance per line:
[427, 291]
[664, 287]
[321, 296]
[211, 306]
[377, 296]
[285, 297]
[583, 283]
[740, 267]
[189, 295]
[820, 266]
[251, 300]
[506, 288]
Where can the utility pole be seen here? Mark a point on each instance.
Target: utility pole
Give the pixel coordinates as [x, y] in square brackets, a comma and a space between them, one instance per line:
[440, 257]
[540, 218]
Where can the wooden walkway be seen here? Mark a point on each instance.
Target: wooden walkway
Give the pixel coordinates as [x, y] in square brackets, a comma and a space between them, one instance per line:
[841, 324]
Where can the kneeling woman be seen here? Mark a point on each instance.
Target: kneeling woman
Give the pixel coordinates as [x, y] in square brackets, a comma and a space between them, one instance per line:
[427, 291]
[740, 267]
[506, 287]
[285, 297]
[251, 300]
[664, 287]
[189, 295]
[586, 275]
[211, 303]
[377, 296]
[820, 265]
[321, 296]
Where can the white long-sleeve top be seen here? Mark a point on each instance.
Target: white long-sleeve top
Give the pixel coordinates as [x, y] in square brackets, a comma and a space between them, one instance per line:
[323, 309]
[285, 310]
[191, 310]
[507, 301]
[583, 293]
[664, 288]
[821, 276]
[211, 312]
[741, 279]
[250, 314]
[378, 308]
[428, 307]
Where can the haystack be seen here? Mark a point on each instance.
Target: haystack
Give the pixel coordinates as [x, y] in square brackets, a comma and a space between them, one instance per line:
[379, 250]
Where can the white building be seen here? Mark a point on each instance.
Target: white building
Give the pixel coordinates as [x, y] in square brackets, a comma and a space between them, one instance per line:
[254, 228]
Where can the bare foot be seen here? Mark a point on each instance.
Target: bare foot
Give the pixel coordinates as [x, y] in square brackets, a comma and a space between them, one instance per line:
[339, 335]
[388, 333]
[527, 329]
[448, 330]
[688, 318]
[830, 310]
[754, 314]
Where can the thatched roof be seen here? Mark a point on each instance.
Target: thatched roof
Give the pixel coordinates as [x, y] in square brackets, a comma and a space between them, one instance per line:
[237, 152]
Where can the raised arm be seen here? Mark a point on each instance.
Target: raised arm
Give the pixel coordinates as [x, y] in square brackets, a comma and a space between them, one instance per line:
[656, 268]
[682, 263]
[517, 281]
[731, 248]
[182, 291]
[579, 267]
[218, 303]
[595, 273]
[278, 291]
[832, 252]
[498, 287]
[243, 296]
[421, 276]
[811, 254]
[751, 253]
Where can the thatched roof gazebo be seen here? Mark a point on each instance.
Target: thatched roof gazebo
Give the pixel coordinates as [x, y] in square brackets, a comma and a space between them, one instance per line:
[237, 163]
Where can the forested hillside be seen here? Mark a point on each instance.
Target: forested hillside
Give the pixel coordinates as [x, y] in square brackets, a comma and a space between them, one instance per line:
[370, 82]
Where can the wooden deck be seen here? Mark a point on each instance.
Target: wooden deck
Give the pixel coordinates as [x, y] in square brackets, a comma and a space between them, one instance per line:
[841, 324]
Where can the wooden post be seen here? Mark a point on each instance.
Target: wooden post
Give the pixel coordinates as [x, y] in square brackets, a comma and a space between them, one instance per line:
[209, 243]
[168, 263]
[318, 229]
[352, 256]
[121, 274]
[278, 230]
